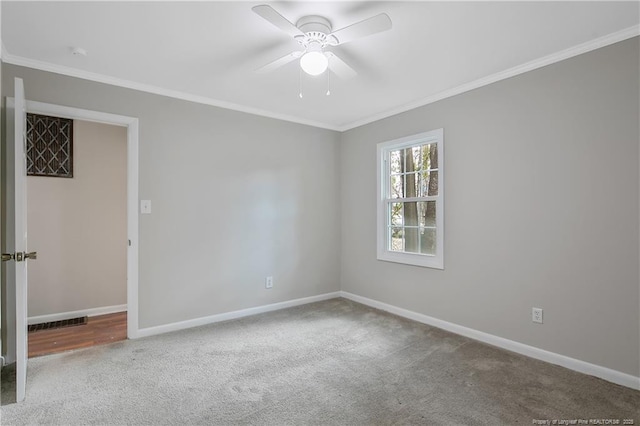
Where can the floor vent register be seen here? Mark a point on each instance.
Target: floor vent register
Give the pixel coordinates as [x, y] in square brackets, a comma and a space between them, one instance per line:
[58, 324]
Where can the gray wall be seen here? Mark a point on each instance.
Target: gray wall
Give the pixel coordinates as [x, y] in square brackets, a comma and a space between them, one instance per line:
[542, 206]
[235, 198]
[79, 226]
[541, 209]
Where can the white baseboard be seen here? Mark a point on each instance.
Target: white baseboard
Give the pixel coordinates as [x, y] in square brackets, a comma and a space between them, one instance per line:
[159, 329]
[75, 314]
[605, 373]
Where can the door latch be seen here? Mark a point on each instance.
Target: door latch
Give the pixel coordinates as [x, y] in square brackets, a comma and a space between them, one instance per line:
[19, 256]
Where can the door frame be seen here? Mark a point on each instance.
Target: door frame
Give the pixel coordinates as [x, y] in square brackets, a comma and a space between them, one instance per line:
[131, 123]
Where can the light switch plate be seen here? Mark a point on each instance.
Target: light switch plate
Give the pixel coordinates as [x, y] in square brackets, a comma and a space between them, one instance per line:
[145, 206]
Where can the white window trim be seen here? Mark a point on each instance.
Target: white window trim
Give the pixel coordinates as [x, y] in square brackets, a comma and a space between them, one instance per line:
[383, 150]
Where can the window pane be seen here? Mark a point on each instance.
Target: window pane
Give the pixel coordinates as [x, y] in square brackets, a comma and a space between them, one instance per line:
[410, 214]
[394, 162]
[411, 241]
[428, 241]
[417, 157]
[429, 157]
[409, 160]
[423, 186]
[422, 162]
[428, 184]
[396, 185]
[427, 213]
[395, 213]
[396, 239]
[411, 184]
[404, 186]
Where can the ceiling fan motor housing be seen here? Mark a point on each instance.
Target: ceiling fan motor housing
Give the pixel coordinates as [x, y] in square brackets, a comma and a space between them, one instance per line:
[316, 29]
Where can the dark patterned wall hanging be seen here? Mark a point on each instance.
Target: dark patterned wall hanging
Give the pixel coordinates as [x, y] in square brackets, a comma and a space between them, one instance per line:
[49, 146]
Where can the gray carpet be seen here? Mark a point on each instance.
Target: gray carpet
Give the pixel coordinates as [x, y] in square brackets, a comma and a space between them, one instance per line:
[332, 362]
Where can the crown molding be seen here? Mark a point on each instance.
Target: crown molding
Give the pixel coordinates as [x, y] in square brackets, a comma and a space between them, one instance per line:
[579, 49]
[128, 84]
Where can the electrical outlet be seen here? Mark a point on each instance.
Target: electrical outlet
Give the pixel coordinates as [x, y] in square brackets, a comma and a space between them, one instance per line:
[536, 315]
[268, 283]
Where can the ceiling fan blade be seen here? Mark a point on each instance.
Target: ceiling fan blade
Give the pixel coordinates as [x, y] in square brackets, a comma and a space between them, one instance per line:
[375, 24]
[268, 13]
[339, 67]
[279, 62]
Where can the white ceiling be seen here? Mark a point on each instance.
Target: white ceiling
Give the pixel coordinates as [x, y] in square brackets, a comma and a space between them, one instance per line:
[208, 51]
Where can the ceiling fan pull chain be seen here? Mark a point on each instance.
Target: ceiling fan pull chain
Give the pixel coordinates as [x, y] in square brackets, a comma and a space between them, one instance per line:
[300, 85]
[328, 85]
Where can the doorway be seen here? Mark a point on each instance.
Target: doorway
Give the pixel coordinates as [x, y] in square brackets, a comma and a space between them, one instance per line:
[130, 126]
[14, 241]
[77, 220]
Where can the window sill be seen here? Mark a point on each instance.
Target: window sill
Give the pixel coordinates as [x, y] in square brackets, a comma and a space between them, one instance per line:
[433, 262]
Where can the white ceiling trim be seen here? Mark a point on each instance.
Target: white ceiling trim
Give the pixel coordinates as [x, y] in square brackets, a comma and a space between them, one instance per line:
[114, 81]
[579, 49]
[511, 72]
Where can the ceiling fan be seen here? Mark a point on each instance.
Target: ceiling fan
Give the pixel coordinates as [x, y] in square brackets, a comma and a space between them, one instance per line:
[315, 35]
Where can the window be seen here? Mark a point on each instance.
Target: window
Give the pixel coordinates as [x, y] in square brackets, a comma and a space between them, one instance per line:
[411, 200]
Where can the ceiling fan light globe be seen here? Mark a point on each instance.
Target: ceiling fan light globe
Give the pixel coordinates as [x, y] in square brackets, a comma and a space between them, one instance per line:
[314, 63]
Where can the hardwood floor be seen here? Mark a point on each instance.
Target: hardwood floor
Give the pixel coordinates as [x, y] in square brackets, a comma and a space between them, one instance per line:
[98, 331]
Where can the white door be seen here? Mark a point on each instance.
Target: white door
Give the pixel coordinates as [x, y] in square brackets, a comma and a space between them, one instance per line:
[20, 255]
